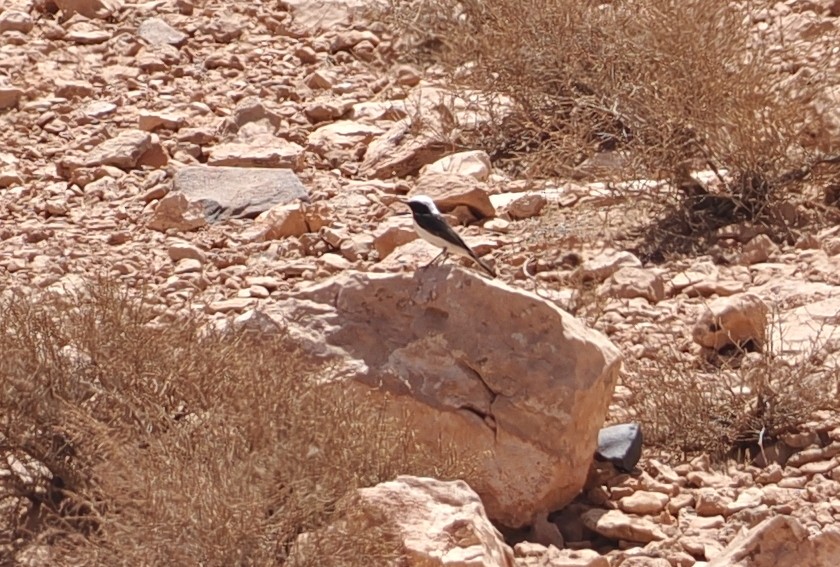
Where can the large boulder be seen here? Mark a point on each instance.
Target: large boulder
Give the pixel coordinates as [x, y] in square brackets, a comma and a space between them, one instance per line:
[508, 377]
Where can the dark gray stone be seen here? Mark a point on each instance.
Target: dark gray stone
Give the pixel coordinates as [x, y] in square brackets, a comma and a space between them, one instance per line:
[238, 192]
[621, 445]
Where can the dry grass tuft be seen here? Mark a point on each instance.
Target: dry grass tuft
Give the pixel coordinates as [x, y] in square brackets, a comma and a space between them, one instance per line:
[666, 86]
[168, 444]
[735, 404]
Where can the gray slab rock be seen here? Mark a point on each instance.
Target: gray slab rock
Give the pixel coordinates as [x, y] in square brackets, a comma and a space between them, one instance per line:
[238, 192]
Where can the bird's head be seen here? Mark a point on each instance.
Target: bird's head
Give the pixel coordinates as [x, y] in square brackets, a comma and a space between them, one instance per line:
[422, 205]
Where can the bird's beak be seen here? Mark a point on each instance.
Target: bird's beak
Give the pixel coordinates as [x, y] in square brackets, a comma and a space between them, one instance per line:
[402, 200]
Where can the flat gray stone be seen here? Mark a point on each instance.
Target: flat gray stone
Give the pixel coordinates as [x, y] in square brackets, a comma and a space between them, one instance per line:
[157, 32]
[621, 445]
[238, 192]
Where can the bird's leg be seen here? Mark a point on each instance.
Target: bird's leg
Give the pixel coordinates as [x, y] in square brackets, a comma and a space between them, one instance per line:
[443, 253]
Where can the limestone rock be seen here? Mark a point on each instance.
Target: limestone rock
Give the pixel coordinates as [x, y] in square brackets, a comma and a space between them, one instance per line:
[487, 366]
[758, 250]
[175, 212]
[526, 206]
[263, 151]
[439, 523]
[238, 192]
[9, 96]
[13, 20]
[124, 151]
[615, 524]
[738, 320]
[341, 139]
[280, 221]
[451, 191]
[781, 540]
[400, 152]
[607, 263]
[155, 31]
[89, 8]
[630, 282]
[475, 163]
[393, 233]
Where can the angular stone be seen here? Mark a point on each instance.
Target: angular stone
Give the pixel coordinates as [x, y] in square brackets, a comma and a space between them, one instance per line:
[440, 524]
[175, 212]
[89, 8]
[606, 264]
[526, 206]
[614, 524]
[9, 96]
[13, 20]
[286, 219]
[155, 31]
[644, 503]
[475, 163]
[400, 152]
[238, 192]
[123, 151]
[739, 320]
[451, 191]
[781, 540]
[264, 151]
[621, 445]
[629, 283]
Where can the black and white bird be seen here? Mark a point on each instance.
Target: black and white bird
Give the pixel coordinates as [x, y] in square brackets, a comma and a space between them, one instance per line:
[433, 228]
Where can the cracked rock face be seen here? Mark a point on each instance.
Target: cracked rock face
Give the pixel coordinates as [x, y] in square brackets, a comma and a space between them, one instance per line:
[498, 371]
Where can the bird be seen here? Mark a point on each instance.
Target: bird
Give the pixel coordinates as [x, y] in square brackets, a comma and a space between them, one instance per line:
[433, 228]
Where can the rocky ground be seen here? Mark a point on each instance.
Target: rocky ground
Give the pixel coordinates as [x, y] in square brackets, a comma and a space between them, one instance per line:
[111, 114]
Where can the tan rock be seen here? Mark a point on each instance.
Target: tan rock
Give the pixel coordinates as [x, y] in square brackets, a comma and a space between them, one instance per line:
[89, 8]
[644, 503]
[262, 151]
[235, 305]
[450, 191]
[629, 283]
[711, 502]
[175, 212]
[758, 250]
[781, 540]
[157, 32]
[437, 523]
[475, 163]
[149, 121]
[400, 152]
[414, 335]
[605, 264]
[13, 20]
[529, 554]
[180, 250]
[527, 206]
[614, 524]
[124, 150]
[287, 219]
[9, 96]
[340, 139]
[391, 234]
[739, 320]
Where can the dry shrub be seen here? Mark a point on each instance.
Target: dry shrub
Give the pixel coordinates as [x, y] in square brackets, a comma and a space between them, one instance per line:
[735, 403]
[172, 444]
[669, 85]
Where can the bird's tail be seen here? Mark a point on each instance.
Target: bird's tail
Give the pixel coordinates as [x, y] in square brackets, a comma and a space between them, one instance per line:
[487, 267]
